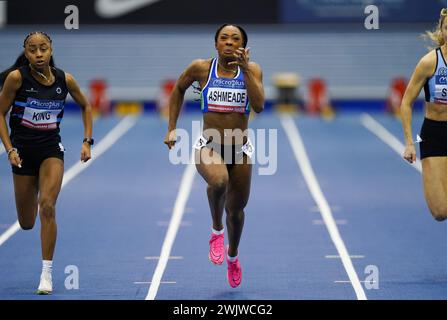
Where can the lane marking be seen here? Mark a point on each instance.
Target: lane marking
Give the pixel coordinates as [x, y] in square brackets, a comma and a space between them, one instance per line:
[347, 281]
[329, 256]
[304, 164]
[148, 282]
[170, 258]
[187, 210]
[174, 225]
[338, 221]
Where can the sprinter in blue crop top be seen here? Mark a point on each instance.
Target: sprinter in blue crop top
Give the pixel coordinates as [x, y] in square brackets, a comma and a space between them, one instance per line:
[35, 91]
[231, 86]
[430, 74]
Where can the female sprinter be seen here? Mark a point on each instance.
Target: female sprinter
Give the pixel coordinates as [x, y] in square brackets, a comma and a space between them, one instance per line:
[230, 85]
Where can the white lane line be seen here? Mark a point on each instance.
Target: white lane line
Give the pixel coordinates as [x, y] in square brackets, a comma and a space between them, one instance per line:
[330, 256]
[169, 210]
[117, 132]
[338, 221]
[170, 258]
[375, 127]
[10, 232]
[347, 281]
[148, 282]
[176, 218]
[306, 168]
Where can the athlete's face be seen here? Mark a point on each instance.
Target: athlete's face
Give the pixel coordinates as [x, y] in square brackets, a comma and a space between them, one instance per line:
[228, 40]
[444, 29]
[38, 51]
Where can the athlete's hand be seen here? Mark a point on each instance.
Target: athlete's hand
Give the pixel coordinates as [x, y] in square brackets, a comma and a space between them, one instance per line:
[86, 152]
[14, 159]
[242, 58]
[170, 139]
[410, 153]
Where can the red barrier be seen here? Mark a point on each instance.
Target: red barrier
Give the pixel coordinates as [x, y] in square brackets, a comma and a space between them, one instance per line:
[166, 89]
[318, 99]
[395, 95]
[98, 97]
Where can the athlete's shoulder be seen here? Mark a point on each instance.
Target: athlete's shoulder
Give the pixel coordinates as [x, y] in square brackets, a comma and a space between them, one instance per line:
[198, 69]
[68, 76]
[253, 63]
[13, 81]
[200, 64]
[15, 76]
[429, 59]
[427, 64]
[255, 66]
[70, 82]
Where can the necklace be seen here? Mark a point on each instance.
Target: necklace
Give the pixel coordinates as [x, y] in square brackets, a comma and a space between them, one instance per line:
[48, 80]
[227, 70]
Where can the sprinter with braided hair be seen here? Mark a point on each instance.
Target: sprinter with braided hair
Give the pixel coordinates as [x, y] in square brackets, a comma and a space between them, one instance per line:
[35, 92]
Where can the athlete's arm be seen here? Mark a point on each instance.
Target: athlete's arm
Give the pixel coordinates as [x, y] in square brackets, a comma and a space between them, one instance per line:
[253, 78]
[191, 74]
[423, 70]
[255, 90]
[86, 109]
[12, 83]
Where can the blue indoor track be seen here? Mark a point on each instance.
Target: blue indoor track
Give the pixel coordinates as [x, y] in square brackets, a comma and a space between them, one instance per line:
[113, 218]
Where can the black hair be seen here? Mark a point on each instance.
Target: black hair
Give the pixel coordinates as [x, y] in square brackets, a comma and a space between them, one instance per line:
[22, 60]
[244, 34]
[37, 32]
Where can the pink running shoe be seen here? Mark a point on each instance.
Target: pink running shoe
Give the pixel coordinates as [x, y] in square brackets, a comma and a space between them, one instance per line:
[217, 254]
[234, 273]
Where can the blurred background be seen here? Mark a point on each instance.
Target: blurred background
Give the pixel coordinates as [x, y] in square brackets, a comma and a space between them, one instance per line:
[316, 56]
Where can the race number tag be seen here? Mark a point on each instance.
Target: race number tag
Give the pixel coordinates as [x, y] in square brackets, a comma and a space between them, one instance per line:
[200, 143]
[248, 148]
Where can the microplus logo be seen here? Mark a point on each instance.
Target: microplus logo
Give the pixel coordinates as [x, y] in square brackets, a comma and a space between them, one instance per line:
[233, 83]
[441, 79]
[45, 104]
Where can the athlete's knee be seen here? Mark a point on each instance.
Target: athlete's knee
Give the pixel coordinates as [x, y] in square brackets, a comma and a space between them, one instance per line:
[26, 219]
[218, 184]
[439, 212]
[439, 215]
[235, 209]
[47, 208]
[26, 224]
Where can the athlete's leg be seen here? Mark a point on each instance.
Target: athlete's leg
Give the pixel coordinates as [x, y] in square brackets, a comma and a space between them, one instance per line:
[434, 173]
[25, 190]
[50, 181]
[210, 166]
[238, 192]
